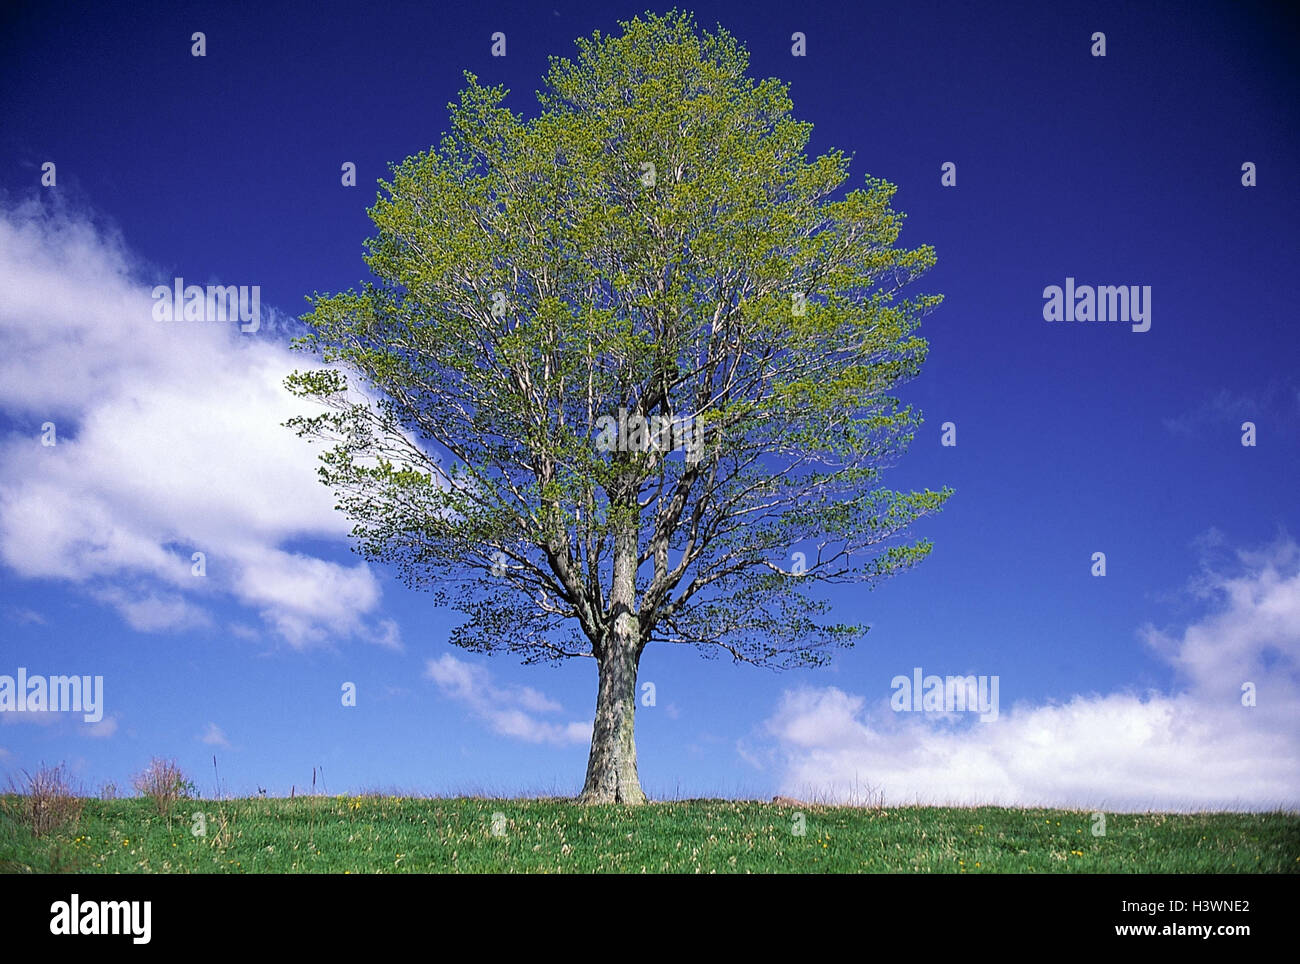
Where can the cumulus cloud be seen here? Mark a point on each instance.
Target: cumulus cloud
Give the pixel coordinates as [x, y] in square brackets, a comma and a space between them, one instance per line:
[169, 441]
[510, 711]
[1197, 747]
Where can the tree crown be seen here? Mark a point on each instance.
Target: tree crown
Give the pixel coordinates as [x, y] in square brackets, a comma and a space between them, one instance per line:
[637, 341]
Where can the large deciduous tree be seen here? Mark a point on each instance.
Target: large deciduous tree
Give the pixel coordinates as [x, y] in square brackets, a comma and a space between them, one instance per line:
[625, 373]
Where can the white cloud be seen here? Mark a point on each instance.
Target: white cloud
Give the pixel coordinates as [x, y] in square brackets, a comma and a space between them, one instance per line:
[169, 442]
[213, 736]
[1197, 748]
[1276, 405]
[388, 635]
[151, 613]
[103, 729]
[305, 599]
[23, 616]
[507, 710]
[39, 717]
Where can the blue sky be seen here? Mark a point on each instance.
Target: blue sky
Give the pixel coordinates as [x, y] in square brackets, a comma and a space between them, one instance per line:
[1072, 438]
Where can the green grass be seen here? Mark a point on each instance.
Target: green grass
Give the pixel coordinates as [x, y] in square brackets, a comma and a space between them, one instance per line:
[373, 834]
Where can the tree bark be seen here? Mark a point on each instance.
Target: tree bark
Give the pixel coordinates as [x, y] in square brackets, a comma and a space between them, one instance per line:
[611, 767]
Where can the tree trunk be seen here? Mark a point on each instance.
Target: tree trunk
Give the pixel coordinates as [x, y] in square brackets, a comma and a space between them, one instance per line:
[611, 768]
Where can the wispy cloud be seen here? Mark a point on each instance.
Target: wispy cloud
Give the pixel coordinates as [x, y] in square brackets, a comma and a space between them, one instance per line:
[26, 617]
[1276, 406]
[214, 736]
[509, 711]
[103, 729]
[149, 612]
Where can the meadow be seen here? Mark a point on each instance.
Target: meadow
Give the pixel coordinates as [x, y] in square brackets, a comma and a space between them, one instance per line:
[389, 834]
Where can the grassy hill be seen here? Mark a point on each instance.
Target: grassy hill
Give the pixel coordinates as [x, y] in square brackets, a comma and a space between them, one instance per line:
[378, 834]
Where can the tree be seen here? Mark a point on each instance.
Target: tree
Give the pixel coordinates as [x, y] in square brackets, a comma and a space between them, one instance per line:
[624, 373]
